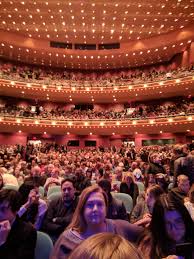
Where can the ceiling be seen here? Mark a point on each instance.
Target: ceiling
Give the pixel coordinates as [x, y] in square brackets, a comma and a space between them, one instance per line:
[27, 27]
[95, 21]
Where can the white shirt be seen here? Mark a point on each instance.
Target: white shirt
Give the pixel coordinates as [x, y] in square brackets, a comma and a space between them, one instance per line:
[190, 208]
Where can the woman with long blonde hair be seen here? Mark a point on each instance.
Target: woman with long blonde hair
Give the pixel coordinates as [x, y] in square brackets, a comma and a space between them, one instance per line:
[129, 186]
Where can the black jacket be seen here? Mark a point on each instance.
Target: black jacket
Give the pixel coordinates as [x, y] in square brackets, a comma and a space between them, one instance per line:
[63, 215]
[21, 241]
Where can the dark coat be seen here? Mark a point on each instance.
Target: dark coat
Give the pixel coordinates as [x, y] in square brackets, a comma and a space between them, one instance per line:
[21, 241]
[133, 191]
[116, 209]
[62, 215]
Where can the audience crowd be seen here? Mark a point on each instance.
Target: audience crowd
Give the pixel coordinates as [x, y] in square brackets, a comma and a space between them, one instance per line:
[54, 77]
[174, 107]
[80, 196]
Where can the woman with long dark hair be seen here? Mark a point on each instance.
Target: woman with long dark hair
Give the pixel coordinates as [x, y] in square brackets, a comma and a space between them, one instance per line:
[171, 231]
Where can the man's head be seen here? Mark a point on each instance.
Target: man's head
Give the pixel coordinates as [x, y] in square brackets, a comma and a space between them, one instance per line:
[36, 171]
[105, 185]
[10, 202]
[50, 167]
[68, 190]
[183, 183]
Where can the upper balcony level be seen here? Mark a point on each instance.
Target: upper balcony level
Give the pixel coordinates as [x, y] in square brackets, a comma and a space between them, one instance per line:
[169, 116]
[117, 87]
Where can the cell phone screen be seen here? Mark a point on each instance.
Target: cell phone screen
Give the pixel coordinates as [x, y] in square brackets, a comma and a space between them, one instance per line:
[184, 249]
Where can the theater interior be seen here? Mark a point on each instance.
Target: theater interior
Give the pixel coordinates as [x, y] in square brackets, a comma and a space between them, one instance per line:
[97, 73]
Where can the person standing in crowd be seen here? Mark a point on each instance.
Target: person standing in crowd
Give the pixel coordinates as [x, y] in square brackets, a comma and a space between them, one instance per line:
[116, 208]
[60, 210]
[177, 161]
[181, 191]
[155, 165]
[17, 238]
[90, 219]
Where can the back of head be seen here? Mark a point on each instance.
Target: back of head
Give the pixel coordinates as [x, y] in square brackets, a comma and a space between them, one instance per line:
[105, 185]
[12, 197]
[178, 149]
[106, 246]
[24, 190]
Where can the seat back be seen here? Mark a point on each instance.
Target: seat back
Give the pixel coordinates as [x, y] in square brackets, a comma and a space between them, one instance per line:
[126, 199]
[53, 189]
[44, 246]
[41, 191]
[53, 196]
[11, 187]
[140, 186]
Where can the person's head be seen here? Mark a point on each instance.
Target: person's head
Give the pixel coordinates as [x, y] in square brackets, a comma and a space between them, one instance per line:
[178, 149]
[105, 185]
[91, 209]
[128, 178]
[50, 167]
[24, 190]
[106, 246]
[10, 202]
[161, 180]
[55, 172]
[100, 172]
[152, 193]
[68, 190]
[183, 183]
[89, 173]
[191, 194]
[170, 224]
[155, 158]
[36, 171]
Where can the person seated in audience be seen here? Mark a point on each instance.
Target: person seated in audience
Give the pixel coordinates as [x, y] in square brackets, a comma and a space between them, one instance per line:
[171, 231]
[81, 181]
[100, 174]
[60, 210]
[33, 208]
[48, 170]
[189, 202]
[35, 178]
[119, 173]
[89, 174]
[142, 212]
[53, 180]
[106, 246]
[116, 208]
[17, 238]
[90, 219]
[181, 191]
[8, 179]
[129, 186]
[149, 180]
